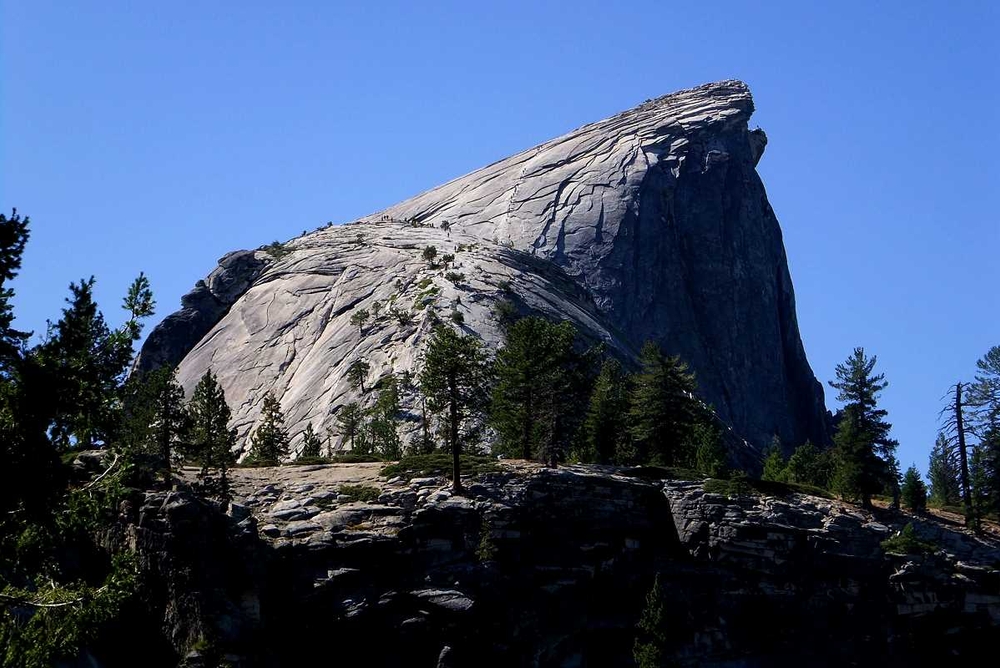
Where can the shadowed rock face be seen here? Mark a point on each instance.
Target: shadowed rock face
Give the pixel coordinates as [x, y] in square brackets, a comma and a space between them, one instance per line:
[536, 567]
[652, 224]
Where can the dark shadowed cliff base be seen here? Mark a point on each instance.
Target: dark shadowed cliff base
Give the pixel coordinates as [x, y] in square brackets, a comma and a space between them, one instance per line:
[544, 568]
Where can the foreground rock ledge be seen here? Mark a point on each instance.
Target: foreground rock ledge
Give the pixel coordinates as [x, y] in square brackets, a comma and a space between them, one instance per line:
[557, 577]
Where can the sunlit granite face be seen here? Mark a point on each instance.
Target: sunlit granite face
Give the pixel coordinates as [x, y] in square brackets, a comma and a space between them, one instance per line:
[651, 224]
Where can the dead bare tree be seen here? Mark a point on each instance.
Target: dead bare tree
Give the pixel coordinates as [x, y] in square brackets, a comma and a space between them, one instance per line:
[953, 421]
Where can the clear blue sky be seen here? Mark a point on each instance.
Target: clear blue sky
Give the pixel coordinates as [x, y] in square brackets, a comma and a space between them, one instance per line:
[159, 136]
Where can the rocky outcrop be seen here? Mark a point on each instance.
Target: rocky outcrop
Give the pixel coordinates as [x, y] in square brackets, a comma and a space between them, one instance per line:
[201, 309]
[537, 567]
[652, 224]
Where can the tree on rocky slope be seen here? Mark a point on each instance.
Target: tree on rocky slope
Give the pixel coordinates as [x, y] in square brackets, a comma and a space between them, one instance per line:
[430, 252]
[984, 398]
[212, 441]
[943, 474]
[808, 465]
[359, 318]
[269, 443]
[312, 444]
[357, 372]
[155, 419]
[31, 468]
[350, 420]
[87, 362]
[914, 492]
[383, 420]
[651, 642]
[605, 425]
[774, 463]
[14, 235]
[455, 380]
[537, 394]
[664, 409]
[864, 449]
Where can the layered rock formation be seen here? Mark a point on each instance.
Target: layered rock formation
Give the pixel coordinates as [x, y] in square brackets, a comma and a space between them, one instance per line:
[652, 224]
[539, 567]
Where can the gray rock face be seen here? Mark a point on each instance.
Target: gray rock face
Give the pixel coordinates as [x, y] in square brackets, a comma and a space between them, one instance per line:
[747, 579]
[200, 310]
[652, 224]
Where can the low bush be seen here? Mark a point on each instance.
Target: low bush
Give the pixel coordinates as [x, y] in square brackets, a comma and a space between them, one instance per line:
[907, 542]
[438, 463]
[364, 493]
[743, 486]
[661, 473]
[276, 249]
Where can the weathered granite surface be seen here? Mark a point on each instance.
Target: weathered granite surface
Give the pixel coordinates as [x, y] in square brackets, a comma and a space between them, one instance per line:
[402, 580]
[201, 309]
[652, 224]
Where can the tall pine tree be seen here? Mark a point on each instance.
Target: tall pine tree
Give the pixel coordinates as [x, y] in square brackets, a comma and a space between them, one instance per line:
[156, 420]
[864, 449]
[605, 425]
[984, 398]
[350, 421]
[384, 420]
[269, 443]
[312, 444]
[211, 442]
[942, 471]
[537, 385]
[664, 409]
[455, 380]
[914, 492]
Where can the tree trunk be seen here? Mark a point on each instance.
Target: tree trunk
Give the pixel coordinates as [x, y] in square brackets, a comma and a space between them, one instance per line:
[963, 456]
[456, 479]
[425, 447]
[528, 427]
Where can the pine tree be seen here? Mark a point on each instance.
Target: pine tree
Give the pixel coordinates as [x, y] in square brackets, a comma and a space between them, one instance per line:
[809, 466]
[76, 356]
[86, 363]
[864, 450]
[890, 485]
[384, 419]
[155, 417]
[709, 452]
[455, 379]
[31, 468]
[650, 644]
[984, 399]
[359, 318]
[269, 443]
[537, 389]
[943, 474]
[212, 441]
[989, 462]
[311, 443]
[914, 492]
[350, 418]
[664, 409]
[605, 424]
[979, 487]
[13, 238]
[775, 467]
[357, 372]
